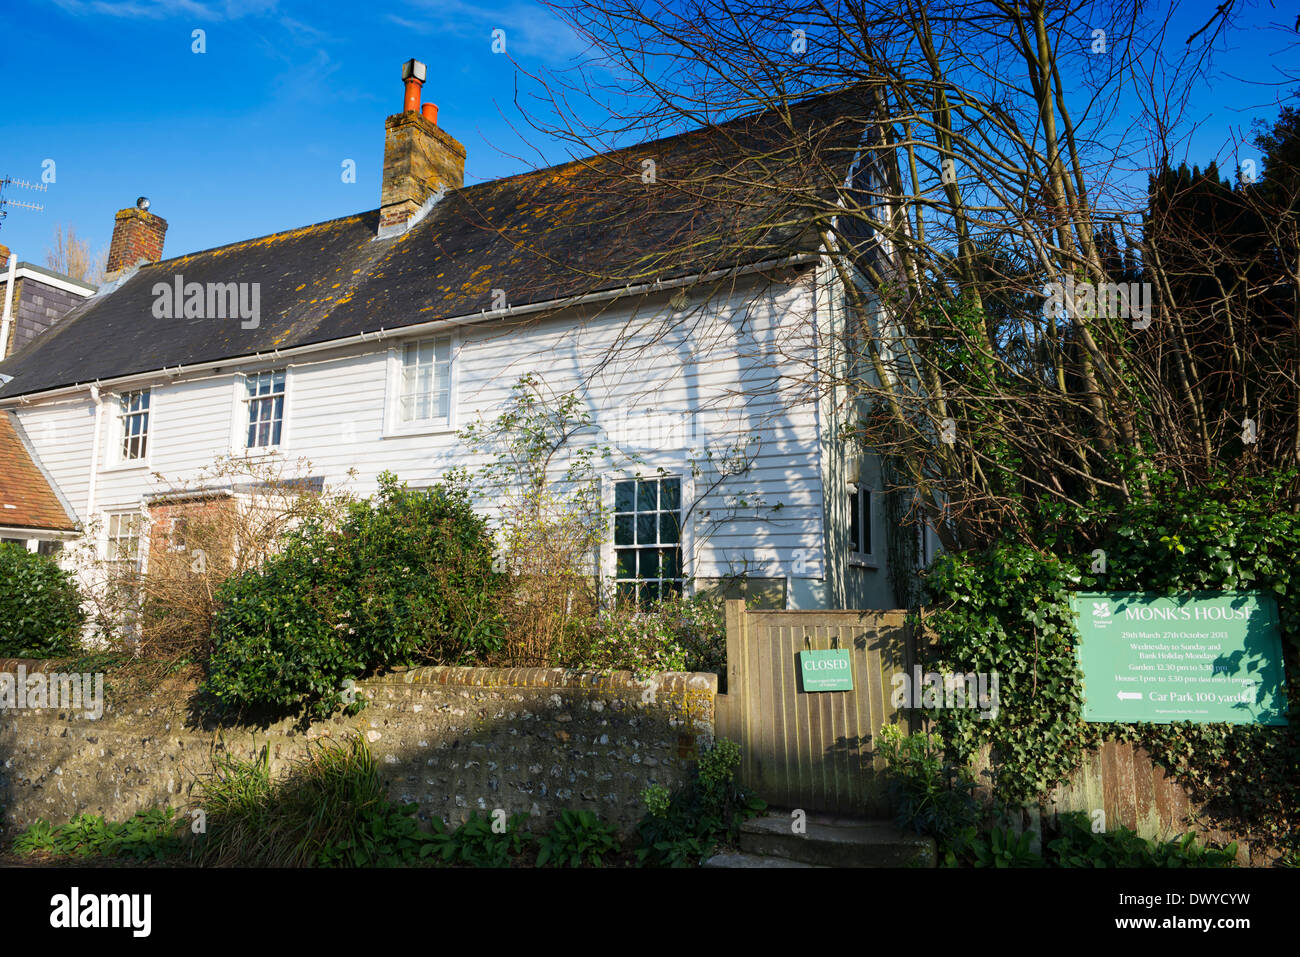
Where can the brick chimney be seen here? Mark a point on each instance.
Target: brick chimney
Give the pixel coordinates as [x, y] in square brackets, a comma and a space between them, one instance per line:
[419, 157]
[137, 237]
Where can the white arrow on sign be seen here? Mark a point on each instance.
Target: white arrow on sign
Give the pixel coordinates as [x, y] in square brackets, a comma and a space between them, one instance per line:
[1129, 695]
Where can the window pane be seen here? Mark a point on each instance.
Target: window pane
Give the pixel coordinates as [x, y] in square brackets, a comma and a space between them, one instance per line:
[626, 564]
[623, 530]
[864, 520]
[623, 496]
[670, 494]
[668, 528]
[645, 530]
[668, 563]
[855, 528]
[648, 563]
[647, 496]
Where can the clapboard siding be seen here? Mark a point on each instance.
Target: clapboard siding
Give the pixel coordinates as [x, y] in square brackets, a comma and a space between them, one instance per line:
[725, 367]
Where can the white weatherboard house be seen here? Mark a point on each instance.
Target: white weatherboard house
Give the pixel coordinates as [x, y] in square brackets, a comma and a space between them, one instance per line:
[695, 332]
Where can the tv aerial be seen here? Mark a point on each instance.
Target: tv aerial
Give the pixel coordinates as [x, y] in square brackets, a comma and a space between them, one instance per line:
[6, 203]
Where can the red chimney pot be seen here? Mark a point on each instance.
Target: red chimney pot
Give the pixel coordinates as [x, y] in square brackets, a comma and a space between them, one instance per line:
[430, 111]
[413, 73]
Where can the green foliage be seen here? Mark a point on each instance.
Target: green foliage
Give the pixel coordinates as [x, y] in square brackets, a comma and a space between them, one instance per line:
[674, 634]
[147, 835]
[705, 812]
[577, 838]
[406, 579]
[1078, 846]
[1002, 847]
[476, 844]
[40, 607]
[929, 793]
[330, 809]
[1007, 609]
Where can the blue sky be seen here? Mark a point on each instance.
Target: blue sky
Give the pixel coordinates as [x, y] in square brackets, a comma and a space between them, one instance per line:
[248, 138]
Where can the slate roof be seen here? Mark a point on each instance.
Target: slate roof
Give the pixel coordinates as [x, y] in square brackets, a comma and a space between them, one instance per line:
[581, 227]
[27, 498]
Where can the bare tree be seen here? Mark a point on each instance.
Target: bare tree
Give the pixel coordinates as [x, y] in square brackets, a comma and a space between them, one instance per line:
[72, 256]
[975, 176]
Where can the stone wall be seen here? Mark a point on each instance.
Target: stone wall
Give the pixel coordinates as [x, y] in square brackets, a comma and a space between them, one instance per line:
[451, 740]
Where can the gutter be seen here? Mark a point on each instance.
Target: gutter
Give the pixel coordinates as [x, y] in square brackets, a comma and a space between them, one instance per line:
[9, 301]
[434, 325]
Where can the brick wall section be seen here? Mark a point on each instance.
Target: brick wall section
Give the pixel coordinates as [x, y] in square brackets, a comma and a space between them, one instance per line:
[419, 158]
[137, 235]
[452, 740]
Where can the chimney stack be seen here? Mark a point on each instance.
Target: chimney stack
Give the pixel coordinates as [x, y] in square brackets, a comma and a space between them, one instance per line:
[419, 157]
[137, 237]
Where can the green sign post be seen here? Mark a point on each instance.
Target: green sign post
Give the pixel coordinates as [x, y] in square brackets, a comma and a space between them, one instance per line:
[826, 670]
[1204, 656]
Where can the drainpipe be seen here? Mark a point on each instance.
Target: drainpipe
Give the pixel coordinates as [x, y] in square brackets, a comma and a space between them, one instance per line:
[94, 454]
[9, 302]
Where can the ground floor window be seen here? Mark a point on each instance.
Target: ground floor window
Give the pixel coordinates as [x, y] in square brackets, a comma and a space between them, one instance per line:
[647, 539]
[124, 543]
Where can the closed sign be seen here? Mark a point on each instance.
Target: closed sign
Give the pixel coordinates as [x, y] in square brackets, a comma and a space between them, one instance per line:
[826, 670]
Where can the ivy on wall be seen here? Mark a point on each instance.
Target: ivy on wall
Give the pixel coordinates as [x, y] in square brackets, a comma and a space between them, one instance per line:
[1007, 609]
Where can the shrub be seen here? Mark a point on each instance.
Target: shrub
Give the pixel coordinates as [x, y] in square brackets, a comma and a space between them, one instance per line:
[676, 634]
[705, 812]
[40, 607]
[577, 838]
[929, 794]
[406, 579]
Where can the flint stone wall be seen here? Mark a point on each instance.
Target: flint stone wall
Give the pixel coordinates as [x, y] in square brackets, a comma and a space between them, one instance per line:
[451, 740]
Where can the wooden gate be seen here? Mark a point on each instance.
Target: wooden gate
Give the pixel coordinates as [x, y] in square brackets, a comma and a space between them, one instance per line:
[814, 751]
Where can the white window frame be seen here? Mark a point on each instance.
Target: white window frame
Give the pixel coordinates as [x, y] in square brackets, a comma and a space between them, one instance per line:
[116, 459]
[858, 491]
[686, 541]
[393, 424]
[110, 538]
[239, 412]
[246, 405]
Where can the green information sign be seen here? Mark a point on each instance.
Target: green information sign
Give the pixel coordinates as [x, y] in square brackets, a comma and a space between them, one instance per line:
[1205, 657]
[826, 670]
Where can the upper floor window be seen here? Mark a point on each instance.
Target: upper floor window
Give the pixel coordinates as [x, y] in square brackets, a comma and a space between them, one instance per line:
[133, 414]
[647, 539]
[265, 400]
[425, 395]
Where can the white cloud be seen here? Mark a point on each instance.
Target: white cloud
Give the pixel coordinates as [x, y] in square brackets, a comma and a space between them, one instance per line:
[208, 10]
[531, 30]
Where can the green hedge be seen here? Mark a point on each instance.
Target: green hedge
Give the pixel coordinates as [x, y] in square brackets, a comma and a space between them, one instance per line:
[406, 579]
[40, 607]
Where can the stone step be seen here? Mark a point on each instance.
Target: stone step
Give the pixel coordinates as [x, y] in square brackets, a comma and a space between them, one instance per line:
[830, 841]
[734, 859]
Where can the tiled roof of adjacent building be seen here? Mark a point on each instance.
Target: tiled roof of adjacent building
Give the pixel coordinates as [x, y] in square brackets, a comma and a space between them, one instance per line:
[27, 497]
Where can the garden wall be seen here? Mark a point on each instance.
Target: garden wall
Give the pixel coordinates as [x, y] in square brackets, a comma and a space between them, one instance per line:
[451, 740]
